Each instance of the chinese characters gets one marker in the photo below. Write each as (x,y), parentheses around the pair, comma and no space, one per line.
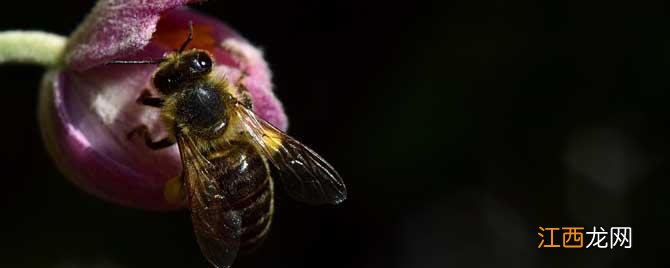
(573,237)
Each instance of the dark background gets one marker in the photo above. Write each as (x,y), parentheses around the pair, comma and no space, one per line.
(459,128)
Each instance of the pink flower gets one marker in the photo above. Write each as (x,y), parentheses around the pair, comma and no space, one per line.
(87,108)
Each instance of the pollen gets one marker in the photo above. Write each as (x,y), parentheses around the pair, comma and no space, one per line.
(272,140)
(174,191)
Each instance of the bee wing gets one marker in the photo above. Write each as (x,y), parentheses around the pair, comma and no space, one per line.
(305,175)
(216,227)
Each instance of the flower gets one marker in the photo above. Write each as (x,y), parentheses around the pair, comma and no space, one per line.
(87,108)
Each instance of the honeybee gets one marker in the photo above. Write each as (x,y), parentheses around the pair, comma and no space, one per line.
(226,151)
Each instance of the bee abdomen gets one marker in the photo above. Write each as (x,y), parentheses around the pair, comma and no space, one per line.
(256,218)
(246,183)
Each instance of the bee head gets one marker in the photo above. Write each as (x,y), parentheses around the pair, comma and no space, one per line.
(178,69)
(181,69)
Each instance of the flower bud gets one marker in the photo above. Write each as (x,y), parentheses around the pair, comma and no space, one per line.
(87,108)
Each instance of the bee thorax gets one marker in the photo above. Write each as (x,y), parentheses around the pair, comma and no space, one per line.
(202,110)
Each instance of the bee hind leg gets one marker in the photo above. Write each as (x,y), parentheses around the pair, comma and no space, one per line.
(143,131)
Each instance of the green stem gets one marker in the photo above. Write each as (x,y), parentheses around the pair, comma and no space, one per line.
(32,47)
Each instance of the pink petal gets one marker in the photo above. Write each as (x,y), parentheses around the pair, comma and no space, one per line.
(86,135)
(115,28)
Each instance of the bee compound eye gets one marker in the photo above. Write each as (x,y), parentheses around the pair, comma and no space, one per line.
(201,62)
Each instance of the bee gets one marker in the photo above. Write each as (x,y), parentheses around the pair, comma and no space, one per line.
(226,152)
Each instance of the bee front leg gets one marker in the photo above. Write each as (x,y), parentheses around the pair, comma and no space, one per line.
(143,131)
(148,99)
(243,62)
(244,94)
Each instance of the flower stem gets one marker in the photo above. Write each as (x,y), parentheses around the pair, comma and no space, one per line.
(32,47)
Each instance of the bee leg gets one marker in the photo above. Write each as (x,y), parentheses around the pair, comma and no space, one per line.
(244,94)
(146,98)
(154,145)
(243,62)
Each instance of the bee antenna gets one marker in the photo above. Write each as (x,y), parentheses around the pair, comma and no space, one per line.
(188,38)
(136,61)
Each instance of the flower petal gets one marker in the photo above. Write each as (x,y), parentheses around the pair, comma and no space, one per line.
(94,153)
(114,29)
(259,83)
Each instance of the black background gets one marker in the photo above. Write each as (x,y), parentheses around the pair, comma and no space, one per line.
(460,127)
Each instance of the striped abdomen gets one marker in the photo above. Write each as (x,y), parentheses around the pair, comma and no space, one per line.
(244,177)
